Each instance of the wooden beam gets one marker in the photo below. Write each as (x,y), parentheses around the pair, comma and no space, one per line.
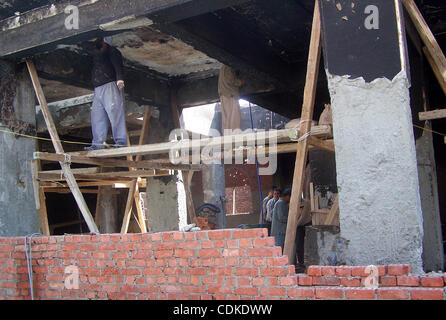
(435,69)
(322,144)
(47,184)
(88,191)
(71,181)
(76,171)
(333,216)
(39,197)
(432,49)
(43,28)
(285,135)
(44,176)
(42,200)
(187,180)
(305,127)
(114,163)
(133,195)
(432,115)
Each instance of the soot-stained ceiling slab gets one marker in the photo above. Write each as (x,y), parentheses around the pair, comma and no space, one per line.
(162,53)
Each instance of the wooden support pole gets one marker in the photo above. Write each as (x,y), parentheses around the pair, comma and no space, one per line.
(71,181)
(333,216)
(39,196)
(432,49)
(327,145)
(98,212)
(125,184)
(305,127)
(44,176)
(133,195)
(42,201)
(187,179)
(432,115)
(115,163)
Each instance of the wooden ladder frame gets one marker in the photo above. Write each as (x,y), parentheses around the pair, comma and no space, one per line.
(65,165)
(133,195)
(314,58)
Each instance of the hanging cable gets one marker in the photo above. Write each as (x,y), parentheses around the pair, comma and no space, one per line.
(257,168)
(29,263)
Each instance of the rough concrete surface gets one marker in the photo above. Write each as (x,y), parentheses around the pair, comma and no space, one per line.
(324,246)
(380,207)
(18,214)
(433,255)
(163,212)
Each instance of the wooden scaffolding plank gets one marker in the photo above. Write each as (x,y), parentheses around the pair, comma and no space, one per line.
(125,183)
(44,213)
(42,201)
(333,216)
(282,136)
(133,195)
(97,214)
(89,191)
(433,51)
(117,175)
(305,127)
(327,145)
(39,196)
(115,163)
(432,115)
(71,181)
(187,179)
(436,70)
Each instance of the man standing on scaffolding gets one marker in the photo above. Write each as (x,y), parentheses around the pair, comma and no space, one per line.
(228,90)
(108,101)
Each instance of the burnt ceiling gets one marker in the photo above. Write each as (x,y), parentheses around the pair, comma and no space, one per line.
(267,42)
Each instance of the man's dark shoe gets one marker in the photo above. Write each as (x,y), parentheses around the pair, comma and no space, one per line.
(93,147)
(119,146)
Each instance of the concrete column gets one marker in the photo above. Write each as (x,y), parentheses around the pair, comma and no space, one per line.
(380,208)
(18,214)
(166,204)
(433,255)
(214,190)
(213,176)
(108,215)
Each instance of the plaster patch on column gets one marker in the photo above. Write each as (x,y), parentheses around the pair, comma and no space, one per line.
(377,170)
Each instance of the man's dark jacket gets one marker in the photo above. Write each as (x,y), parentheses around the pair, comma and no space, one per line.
(107,66)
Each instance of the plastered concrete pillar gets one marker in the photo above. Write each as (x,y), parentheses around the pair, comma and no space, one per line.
(380,209)
(166,204)
(18,214)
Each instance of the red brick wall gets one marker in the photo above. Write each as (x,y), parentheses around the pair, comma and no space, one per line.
(220,264)
(243,200)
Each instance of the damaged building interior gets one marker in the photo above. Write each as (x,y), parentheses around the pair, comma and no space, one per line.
(352,101)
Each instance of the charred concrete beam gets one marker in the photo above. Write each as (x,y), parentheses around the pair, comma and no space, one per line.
(203,91)
(43,28)
(72,114)
(74,68)
(209,40)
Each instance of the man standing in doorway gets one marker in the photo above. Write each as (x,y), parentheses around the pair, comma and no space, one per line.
(280,218)
(264,205)
(271,203)
(228,90)
(108,101)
